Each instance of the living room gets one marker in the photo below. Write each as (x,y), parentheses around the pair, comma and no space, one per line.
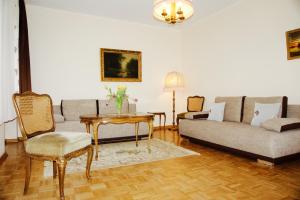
(227,48)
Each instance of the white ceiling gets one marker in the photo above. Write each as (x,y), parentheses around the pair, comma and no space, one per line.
(139,11)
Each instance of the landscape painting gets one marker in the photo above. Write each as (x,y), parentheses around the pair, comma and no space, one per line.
(121,65)
(293,44)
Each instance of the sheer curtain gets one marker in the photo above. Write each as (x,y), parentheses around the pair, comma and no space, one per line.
(9,17)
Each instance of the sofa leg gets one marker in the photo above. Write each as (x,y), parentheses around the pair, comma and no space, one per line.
(266,163)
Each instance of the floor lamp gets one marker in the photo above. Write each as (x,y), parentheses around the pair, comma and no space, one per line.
(173,81)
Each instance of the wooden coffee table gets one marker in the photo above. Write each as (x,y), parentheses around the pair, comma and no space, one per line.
(96,120)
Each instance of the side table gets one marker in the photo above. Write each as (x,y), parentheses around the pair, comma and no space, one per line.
(160,114)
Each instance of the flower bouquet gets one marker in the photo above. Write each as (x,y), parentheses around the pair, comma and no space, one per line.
(119,96)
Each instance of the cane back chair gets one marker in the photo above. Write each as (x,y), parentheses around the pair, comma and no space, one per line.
(194,104)
(35,119)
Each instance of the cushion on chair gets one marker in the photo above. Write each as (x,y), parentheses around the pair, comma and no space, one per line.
(57,143)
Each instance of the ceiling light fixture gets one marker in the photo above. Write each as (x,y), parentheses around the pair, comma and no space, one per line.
(173,11)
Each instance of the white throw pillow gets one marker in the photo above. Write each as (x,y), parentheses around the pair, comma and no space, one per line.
(216,112)
(264,112)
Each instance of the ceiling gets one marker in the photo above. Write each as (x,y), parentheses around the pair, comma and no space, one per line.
(139,11)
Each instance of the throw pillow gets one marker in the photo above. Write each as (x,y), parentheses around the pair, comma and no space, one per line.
(58,118)
(263,112)
(281,124)
(216,112)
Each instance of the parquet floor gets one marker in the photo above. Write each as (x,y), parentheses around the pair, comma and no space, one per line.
(213,175)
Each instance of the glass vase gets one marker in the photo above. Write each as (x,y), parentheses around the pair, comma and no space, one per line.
(119,104)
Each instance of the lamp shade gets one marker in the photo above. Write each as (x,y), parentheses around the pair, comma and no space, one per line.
(174,80)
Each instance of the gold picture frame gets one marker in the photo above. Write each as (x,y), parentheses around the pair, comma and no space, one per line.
(121,65)
(293,44)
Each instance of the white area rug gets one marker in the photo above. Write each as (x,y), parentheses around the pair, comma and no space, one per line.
(123,154)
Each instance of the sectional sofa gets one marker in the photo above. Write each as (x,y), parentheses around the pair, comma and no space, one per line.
(67,116)
(235,134)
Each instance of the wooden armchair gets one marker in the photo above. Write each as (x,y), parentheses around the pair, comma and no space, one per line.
(35,117)
(194,104)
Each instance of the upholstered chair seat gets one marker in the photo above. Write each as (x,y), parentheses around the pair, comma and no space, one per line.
(57,143)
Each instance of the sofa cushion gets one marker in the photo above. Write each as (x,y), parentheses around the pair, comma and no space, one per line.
(57,143)
(293,111)
(233,107)
(58,118)
(250,103)
(281,124)
(243,137)
(56,109)
(109,106)
(72,109)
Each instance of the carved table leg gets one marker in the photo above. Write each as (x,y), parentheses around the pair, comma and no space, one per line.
(61,176)
(136,133)
(95,133)
(150,127)
(89,161)
(28,173)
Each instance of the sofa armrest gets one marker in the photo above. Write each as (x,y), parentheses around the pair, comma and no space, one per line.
(196,115)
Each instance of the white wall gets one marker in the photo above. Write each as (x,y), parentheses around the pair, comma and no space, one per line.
(65,56)
(11,130)
(242,51)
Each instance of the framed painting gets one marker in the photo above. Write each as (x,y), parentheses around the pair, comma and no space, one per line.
(121,65)
(293,44)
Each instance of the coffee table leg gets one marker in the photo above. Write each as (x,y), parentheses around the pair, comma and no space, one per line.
(95,132)
(150,127)
(136,133)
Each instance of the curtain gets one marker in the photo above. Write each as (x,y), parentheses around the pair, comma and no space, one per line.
(24,56)
(9,13)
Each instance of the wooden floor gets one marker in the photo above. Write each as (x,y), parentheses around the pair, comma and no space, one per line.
(213,175)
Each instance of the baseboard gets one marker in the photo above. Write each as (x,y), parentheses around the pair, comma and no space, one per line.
(3,157)
(244,153)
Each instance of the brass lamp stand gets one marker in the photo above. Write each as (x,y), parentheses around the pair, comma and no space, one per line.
(173,81)
(173,122)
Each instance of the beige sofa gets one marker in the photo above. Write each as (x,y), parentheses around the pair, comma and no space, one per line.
(235,134)
(67,118)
